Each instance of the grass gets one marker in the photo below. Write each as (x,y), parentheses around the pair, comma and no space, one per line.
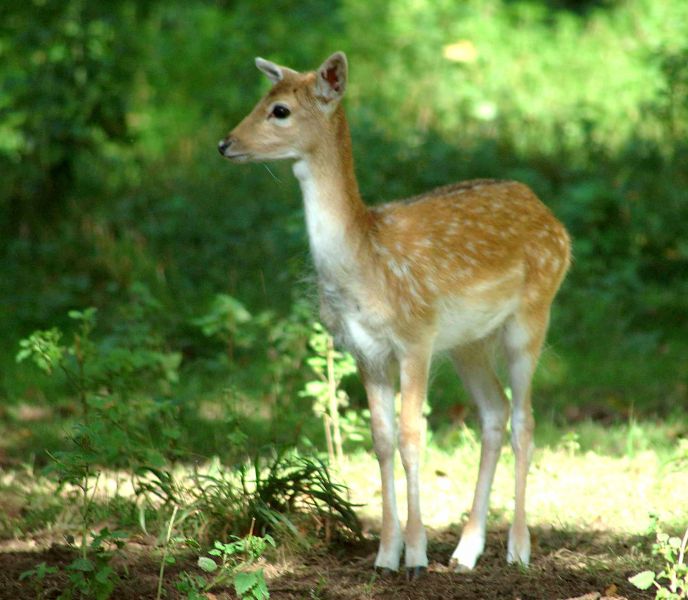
(594,494)
(569,487)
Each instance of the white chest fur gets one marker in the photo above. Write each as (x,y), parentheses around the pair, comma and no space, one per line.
(326,233)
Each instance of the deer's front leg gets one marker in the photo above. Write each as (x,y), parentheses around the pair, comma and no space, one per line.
(414,380)
(381,402)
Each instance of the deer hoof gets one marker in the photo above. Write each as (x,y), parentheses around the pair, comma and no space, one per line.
(413,573)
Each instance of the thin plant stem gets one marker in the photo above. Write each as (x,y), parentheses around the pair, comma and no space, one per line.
(334,405)
(163,562)
(85,516)
(327,422)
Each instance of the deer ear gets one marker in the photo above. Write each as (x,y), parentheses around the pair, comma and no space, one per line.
(274,72)
(330,78)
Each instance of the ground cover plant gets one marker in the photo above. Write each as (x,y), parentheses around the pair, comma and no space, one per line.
(173,396)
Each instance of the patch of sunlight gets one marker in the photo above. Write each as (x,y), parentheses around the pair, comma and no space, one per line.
(463,51)
(565,489)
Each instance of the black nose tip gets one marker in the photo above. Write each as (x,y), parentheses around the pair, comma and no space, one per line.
(222,146)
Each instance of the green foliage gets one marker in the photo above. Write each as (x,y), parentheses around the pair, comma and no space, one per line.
(67,71)
(118,422)
(116,108)
(270,494)
(236,564)
(43,347)
(112,196)
(671,583)
(289,483)
(37,577)
(342,365)
(330,367)
(112,433)
(91,575)
(224,319)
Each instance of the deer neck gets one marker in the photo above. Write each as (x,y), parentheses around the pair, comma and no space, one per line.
(336,218)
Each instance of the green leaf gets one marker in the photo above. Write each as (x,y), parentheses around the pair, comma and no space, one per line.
(207,564)
(260,592)
(244,581)
(643,580)
(82,564)
(104,574)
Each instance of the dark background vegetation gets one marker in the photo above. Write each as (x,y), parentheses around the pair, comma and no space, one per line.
(112,195)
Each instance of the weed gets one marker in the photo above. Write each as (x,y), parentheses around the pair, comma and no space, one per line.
(671,582)
(291,483)
(231,562)
(272,494)
(37,576)
(330,367)
(166,557)
(111,433)
(570,442)
(91,574)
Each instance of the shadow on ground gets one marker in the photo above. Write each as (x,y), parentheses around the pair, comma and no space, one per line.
(566,564)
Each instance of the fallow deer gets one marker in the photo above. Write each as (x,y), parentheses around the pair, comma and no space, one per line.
(460,269)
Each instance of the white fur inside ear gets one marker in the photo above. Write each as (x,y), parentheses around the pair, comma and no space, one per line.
(331,77)
(273,71)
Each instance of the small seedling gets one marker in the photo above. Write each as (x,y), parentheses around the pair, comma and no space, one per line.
(230,562)
(37,576)
(671,582)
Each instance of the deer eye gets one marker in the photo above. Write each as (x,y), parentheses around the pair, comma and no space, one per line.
(280,111)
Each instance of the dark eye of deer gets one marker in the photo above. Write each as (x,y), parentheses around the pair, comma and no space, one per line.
(280,112)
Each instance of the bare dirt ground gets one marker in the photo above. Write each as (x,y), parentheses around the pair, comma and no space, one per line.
(566,564)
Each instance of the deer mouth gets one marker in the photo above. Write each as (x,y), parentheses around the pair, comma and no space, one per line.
(238,157)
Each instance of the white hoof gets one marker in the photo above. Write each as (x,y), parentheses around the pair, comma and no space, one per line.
(518,549)
(389,555)
(415,554)
(468,551)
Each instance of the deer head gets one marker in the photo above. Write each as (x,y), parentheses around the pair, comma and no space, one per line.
(292,117)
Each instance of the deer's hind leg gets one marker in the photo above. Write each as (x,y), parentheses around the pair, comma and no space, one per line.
(524,334)
(474,365)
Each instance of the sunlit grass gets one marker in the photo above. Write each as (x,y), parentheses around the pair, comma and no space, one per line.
(588,478)
(568,487)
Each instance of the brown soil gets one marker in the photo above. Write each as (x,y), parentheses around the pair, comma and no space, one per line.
(565,565)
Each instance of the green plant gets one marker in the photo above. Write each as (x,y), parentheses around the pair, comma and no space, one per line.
(91,575)
(37,576)
(290,484)
(273,494)
(113,430)
(167,558)
(330,366)
(232,562)
(671,583)
(120,422)
(570,442)
(228,321)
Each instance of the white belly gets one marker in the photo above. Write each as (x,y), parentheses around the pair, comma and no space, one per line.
(460,322)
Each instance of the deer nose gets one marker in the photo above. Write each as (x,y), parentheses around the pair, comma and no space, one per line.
(223,145)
